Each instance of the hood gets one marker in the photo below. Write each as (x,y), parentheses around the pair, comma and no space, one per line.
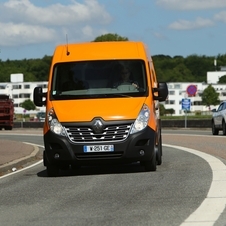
(107,109)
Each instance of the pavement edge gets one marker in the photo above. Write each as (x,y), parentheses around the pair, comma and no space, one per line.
(19,163)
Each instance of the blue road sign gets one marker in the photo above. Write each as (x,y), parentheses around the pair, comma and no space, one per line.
(186,104)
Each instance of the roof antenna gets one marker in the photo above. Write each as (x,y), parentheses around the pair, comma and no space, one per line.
(68,53)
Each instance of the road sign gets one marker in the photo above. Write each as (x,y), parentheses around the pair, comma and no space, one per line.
(191,90)
(186,104)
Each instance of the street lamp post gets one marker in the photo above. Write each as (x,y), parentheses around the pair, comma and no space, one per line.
(215,63)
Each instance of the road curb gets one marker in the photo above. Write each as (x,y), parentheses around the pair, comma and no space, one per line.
(19,163)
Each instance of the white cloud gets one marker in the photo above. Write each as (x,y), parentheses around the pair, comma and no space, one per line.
(87,31)
(159,35)
(191,4)
(21,34)
(191,25)
(33,24)
(56,14)
(221,16)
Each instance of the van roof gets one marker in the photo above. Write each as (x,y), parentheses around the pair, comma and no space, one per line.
(101,51)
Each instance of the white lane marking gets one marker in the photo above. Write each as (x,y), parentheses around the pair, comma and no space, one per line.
(21,134)
(214,204)
(28,167)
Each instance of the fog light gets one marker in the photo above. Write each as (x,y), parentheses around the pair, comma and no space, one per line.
(142,152)
(56,156)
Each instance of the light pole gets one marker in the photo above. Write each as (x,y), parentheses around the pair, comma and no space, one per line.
(215,63)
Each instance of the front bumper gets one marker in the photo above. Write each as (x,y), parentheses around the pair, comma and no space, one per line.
(60,150)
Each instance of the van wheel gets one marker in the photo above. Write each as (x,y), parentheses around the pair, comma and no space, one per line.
(159,152)
(52,170)
(150,165)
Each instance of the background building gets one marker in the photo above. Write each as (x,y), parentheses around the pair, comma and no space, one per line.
(214,76)
(178,91)
(21,91)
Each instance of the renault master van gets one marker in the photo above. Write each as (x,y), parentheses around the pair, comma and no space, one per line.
(102,106)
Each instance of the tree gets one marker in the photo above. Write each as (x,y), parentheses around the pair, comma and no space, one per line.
(222,80)
(210,96)
(162,109)
(199,65)
(110,37)
(28,105)
(170,111)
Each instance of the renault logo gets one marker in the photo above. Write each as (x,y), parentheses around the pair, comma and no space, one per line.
(98,126)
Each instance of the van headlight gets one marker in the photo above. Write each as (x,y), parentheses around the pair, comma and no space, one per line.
(142,120)
(54,125)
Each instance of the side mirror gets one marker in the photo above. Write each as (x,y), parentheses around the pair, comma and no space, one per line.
(162,91)
(38,96)
(214,110)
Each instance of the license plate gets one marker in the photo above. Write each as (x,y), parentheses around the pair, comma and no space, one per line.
(98,148)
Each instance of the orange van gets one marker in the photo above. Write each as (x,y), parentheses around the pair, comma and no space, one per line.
(101,106)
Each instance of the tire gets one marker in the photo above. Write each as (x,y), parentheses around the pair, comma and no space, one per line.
(8,128)
(150,165)
(52,170)
(224,128)
(214,130)
(159,152)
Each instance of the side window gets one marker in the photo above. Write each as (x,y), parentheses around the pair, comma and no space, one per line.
(224,108)
(220,108)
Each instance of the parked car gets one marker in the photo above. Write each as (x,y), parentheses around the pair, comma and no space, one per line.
(41,116)
(219,119)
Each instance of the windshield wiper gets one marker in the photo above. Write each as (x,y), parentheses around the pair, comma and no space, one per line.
(119,95)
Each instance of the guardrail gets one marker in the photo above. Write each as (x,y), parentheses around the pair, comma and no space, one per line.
(190,123)
(28,124)
(199,123)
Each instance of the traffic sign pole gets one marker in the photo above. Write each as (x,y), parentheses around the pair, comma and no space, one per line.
(186,104)
(185,120)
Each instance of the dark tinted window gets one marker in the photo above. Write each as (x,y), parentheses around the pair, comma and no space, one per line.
(106,78)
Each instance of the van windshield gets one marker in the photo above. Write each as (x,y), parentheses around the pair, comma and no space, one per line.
(99,79)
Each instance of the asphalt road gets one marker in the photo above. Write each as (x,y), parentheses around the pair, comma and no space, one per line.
(108,195)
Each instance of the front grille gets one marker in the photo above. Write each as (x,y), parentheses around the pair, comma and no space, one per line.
(86,133)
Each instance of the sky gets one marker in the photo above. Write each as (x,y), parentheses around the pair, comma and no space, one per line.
(33,28)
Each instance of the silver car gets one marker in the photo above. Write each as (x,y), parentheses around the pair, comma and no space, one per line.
(219,119)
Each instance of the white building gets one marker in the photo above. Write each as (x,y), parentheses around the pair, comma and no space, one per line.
(214,76)
(21,91)
(178,92)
